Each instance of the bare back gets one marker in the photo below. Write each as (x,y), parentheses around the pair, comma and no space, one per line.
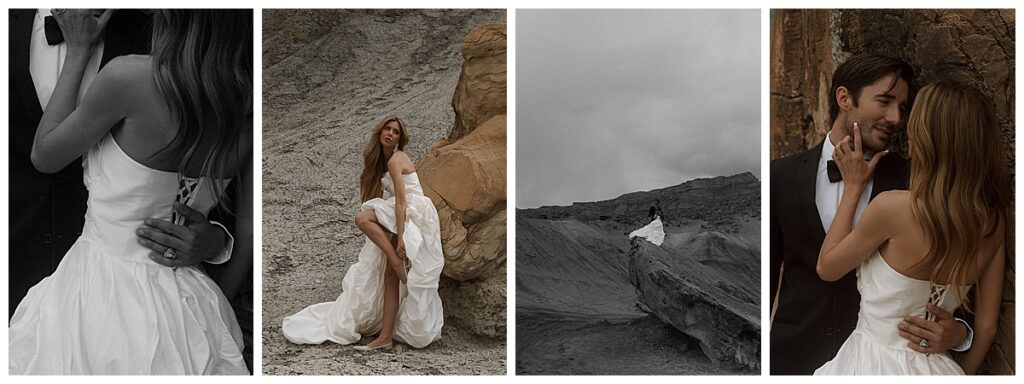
(908,245)
(148,126)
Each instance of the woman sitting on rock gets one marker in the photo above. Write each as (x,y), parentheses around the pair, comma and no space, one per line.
(402,250)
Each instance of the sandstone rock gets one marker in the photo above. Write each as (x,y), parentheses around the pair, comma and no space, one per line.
(480,93)
(466,181)
(478,305)
(465,177)
(700,301)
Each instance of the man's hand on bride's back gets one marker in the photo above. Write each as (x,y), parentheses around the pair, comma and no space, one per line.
(943,334)
(195,242)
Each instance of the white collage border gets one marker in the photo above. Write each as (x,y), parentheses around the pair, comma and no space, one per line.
(510,6)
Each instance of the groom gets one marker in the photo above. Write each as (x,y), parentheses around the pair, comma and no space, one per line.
(813,317)
(47,211)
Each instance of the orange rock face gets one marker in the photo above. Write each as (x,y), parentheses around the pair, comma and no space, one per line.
(465,176)
(466,181)
(480,93)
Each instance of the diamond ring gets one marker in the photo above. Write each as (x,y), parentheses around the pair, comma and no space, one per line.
(170,254)
(923,343)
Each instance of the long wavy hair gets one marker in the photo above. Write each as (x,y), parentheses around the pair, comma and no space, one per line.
(958,184)
(374,163)
(202,62)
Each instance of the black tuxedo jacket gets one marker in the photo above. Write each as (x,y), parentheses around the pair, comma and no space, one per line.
(47,211)
(813,317)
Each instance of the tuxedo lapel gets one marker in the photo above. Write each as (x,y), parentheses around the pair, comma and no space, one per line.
(127,33)
(21,79)
(891,173)
(805,186)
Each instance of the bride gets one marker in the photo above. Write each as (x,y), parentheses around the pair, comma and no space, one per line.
(925,247)
(653,231)
(391,290)
(158,130)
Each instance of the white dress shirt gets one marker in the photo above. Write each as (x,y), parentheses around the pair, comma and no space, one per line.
(827,194)
(46,61)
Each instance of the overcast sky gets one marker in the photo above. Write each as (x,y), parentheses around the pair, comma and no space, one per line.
(616,101)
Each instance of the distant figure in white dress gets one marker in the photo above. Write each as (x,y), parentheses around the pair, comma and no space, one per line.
(391,290)
(653,232)
(921,250)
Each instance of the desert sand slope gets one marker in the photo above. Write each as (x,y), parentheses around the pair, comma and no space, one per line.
(328,76)
(583,297)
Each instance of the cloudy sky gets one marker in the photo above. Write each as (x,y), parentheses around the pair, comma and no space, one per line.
(616,101)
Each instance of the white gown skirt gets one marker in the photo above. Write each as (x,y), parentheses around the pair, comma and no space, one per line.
(359,309)
(100,314)
(859,355)
(653,232)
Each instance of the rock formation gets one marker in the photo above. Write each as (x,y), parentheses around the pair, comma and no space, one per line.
(974,47)
(705,302)
(480,93)
(694,300)
(465,177)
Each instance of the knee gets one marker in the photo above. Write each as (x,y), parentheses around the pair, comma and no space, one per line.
(364,219)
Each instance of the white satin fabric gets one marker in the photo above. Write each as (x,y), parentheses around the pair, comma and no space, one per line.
(359,309)
(653,232)
(875,346)
(109,309)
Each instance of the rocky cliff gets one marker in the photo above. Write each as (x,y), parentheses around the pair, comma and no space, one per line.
(708,298)
(579,281)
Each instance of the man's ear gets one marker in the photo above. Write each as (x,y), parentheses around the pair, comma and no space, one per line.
(843,98)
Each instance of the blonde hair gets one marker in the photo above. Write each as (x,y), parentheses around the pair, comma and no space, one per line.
(202,61)
(374,163)
(958,181)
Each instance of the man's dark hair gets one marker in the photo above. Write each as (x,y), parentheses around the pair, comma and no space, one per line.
(864,69)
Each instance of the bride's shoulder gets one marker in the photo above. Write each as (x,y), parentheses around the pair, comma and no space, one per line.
(128,72)
(400,158)
(130,65)
(894,195)
(892,202)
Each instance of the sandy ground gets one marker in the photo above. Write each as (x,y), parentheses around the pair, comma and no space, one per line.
(328,77)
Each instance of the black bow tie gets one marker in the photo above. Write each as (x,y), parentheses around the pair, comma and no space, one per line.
(53,34)
(833,172)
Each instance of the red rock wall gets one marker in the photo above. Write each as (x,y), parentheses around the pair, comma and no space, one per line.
(974,47)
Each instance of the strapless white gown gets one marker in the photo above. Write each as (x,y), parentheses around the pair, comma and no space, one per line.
(359,308)
(108,308)
(653,232)
(875,346)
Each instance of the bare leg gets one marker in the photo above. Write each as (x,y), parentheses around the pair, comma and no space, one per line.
(367,222)
(387,330)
